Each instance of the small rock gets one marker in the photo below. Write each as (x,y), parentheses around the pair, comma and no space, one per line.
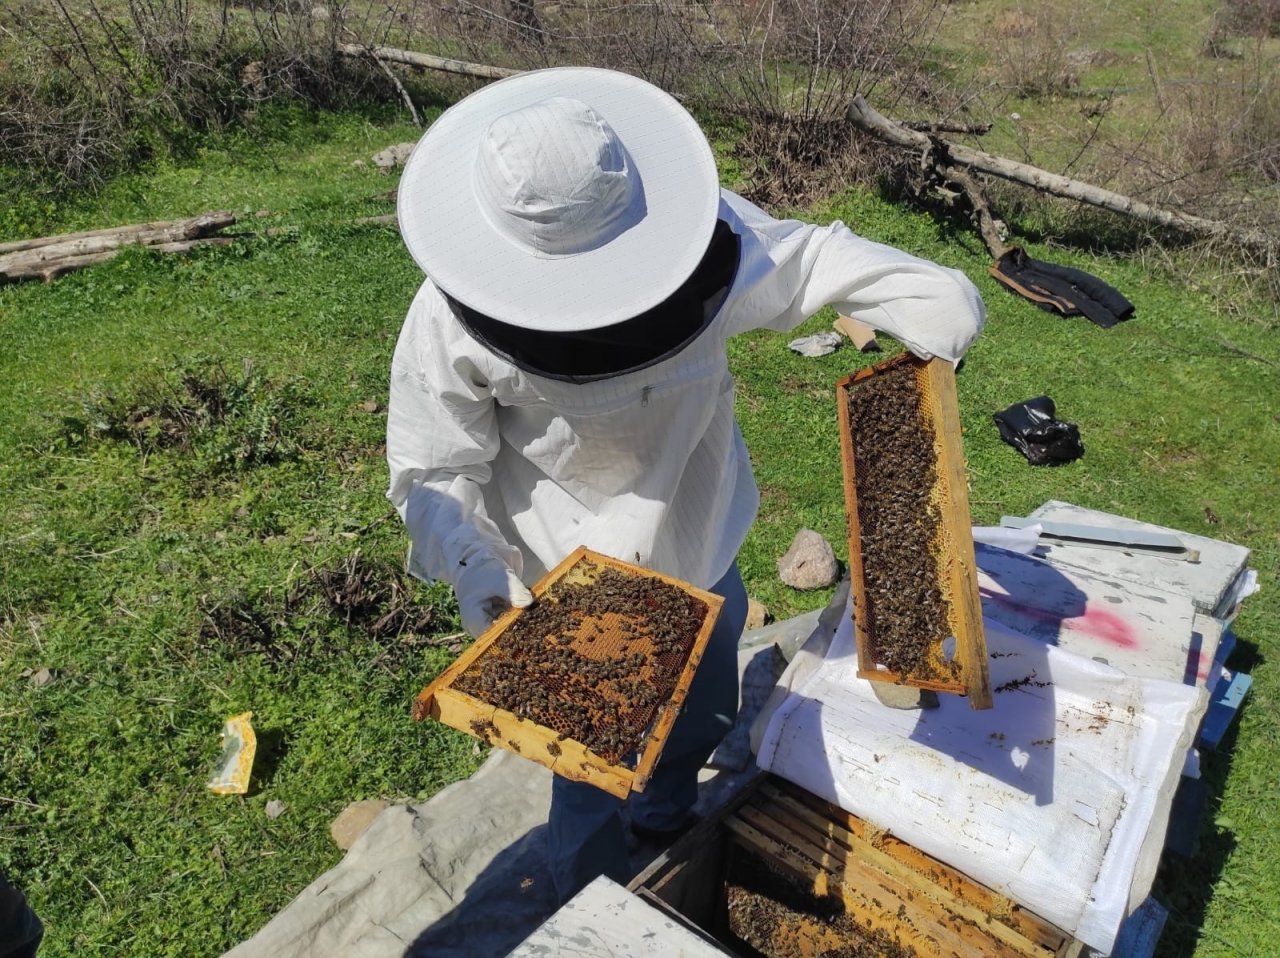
(275,808)
(393,156)
(819,344)
(41,677)
(354,820)
(809,563)
(757,614)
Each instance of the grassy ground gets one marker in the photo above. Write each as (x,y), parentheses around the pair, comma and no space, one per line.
(171,575)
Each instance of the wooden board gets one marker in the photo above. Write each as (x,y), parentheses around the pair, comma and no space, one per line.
(952,542)
(1208,582)
(605,919)
(1138,628)
(564,755)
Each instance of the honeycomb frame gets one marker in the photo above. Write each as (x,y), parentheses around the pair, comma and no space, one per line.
(951,542)
(562,753)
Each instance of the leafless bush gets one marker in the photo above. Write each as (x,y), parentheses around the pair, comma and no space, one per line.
(91,86)
(1255,18)
(1034,50)
(777,74)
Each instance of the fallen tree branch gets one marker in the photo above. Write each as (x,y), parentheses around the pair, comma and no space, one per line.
(372,54)
(988,224)
(945,126)
(48,257)
(50,268)
(427,61)
(862,115)
(95,240)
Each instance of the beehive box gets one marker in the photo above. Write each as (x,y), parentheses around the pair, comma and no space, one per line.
(782,874)
(911,558)
(589,679)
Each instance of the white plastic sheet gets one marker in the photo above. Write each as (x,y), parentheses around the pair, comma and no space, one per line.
(1058,797)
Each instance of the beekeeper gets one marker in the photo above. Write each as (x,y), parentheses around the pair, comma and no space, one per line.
(561,378)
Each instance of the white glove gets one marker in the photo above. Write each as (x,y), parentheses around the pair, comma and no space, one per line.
(486,587)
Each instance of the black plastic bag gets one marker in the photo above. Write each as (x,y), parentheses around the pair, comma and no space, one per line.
(1030,427)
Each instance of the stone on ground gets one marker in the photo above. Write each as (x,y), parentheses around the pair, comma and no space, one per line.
(354,819)
(810,563)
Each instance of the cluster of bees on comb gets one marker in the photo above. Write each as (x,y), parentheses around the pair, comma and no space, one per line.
(895,470)
(592,660)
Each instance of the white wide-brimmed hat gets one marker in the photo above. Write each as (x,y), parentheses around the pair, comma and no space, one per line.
(560,200)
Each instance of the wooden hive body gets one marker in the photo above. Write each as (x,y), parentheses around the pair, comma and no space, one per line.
(787,874)
(950,536)
(597,638)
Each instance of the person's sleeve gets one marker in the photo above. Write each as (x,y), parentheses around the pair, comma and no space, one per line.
(932,310)
(442,437)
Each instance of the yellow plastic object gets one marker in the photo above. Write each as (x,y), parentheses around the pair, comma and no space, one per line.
(238,747)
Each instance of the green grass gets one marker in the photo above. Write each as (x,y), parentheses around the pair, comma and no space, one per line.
(114,552)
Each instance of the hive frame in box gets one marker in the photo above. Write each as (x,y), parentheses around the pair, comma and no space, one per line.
(884,884)
(935,379)
(568,757)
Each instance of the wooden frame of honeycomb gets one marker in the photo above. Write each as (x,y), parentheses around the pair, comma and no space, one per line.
(602,644)
(952,583)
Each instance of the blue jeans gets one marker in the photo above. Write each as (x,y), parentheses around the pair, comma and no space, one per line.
(586,835)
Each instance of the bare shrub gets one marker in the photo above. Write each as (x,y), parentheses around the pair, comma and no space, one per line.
(1033,53)
(90,86)
(776,74)
(1255,18)
(226,420)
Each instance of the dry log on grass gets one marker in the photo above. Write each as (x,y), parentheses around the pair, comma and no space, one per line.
(48,257)
(90,241)
(51,269)
(426,61)
(861,114)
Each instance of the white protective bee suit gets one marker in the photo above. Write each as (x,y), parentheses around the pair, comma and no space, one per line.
(500,471)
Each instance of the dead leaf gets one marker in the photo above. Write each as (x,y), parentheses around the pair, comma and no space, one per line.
(370,405)
(275,808)
(41,677)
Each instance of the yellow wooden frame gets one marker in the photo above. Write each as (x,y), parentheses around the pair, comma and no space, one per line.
(571,759)
(958,581)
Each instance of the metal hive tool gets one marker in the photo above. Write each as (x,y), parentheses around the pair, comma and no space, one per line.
(589,679)
(922,561)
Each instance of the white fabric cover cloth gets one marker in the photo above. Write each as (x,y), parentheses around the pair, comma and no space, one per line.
(1058,797)
(486,459)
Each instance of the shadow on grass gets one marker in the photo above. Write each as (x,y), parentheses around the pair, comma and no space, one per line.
(272,746)
(1186,885)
